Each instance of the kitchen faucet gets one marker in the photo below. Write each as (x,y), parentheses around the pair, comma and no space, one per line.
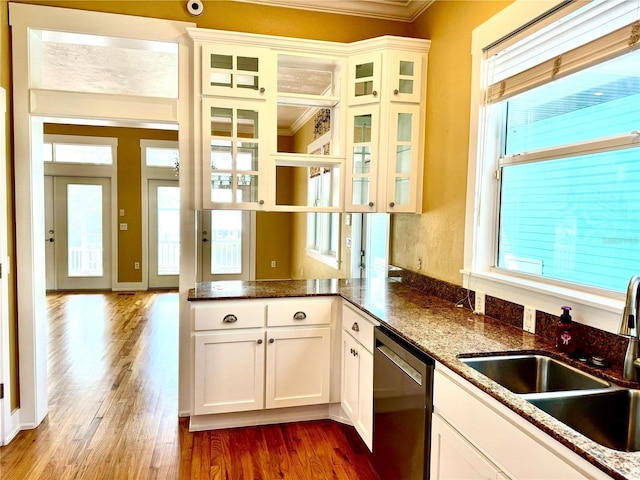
(629,327)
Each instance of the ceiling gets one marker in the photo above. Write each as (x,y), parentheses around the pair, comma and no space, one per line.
(398,10)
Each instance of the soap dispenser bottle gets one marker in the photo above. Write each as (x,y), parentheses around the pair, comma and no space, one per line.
(565,341)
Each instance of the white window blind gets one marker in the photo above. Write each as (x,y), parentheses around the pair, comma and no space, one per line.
(600,30)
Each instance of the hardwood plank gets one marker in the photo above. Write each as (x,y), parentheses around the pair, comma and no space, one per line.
(113,409)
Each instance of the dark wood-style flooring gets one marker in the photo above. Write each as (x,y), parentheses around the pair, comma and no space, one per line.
(113,408)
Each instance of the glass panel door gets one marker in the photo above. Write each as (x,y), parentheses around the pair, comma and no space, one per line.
(406,76)
(365,78)
(164,233)
(82,210)
(225,246)
(362,159)
(403,158)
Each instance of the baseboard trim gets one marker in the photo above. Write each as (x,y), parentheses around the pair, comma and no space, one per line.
(129,287)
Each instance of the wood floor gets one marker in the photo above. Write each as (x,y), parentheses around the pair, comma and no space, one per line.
(113,409)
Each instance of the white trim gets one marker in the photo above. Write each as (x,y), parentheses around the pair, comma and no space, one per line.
(24,18)
(129,287)
(151,173)
(599,310)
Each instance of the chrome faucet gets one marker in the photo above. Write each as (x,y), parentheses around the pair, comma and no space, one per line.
(629,328)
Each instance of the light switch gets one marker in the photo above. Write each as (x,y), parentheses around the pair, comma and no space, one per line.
(122,212)
(124,226)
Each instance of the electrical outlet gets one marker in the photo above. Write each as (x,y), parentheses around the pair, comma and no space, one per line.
(419,263)
(273,264)
(480,300)
(136,265)
(529,320)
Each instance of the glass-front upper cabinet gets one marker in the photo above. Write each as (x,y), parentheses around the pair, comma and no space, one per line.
(230,70)
(362,159)
(406,72)
(235,144)
(404,167)
(365,75)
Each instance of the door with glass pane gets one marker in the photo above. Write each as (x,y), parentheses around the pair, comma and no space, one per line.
(82,211)
(405,69)
(225,245)
(365,75)
(404,158)
(164,233)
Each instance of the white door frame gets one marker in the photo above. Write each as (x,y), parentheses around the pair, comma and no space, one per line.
(25,20)
(165,281)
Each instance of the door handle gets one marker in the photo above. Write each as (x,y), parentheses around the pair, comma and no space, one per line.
(50,240)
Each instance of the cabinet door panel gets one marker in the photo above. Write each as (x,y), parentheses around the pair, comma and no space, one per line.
(453,458)
(236,146)
(350,377)
(406,72)
(234,71)
(298,367)
(404,172)
(365,75)
(228,372)
(364,422)
(362,158)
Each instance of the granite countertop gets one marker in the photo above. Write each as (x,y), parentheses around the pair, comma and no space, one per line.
(444,331)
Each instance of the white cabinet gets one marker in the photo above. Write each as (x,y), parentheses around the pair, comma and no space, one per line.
(236,71)
(250,355)
(486,436)
(385,131)
(454,458)
(229,371)
(357,372)
(297,368)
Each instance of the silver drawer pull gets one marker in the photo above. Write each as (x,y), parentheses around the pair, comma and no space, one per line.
(299,316)
(355,327)
(230,318)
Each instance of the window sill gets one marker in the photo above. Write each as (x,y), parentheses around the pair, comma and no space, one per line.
(596,310)
(329,260)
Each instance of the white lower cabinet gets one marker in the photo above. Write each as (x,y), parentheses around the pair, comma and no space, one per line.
(357,372)
(229,371)
(251,355)
(454,458)
(472,432)
(297,368)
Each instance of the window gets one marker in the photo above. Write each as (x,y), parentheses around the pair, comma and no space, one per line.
(557,160)
(323,228)
(87,150)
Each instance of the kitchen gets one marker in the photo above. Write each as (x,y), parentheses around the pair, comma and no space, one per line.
(444,201)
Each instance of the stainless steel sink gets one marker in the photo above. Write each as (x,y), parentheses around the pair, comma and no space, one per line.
(609,418)
(524,374)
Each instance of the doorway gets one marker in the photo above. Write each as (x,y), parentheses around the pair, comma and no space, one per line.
(77,233)
(225,248)
(164,233)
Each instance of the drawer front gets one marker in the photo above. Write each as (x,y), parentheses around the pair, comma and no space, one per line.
(301,311)
(358,326)
(223,315)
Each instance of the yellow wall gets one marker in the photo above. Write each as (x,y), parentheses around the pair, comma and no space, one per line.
(437,236)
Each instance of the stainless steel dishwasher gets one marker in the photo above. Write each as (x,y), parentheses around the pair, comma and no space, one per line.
(402,406)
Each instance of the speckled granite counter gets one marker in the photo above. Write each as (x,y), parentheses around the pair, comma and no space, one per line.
(444,331)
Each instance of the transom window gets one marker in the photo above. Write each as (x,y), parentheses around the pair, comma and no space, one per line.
(84,150)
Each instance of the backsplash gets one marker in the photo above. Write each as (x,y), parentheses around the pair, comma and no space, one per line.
(594,341)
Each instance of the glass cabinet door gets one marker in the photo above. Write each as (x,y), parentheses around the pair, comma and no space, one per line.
(234,143)
(362,159)
(237,72)
(365,78)
(405,69)
(403,155)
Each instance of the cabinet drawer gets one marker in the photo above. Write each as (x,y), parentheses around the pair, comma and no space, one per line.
(299,312)
(358,326)
(223,315)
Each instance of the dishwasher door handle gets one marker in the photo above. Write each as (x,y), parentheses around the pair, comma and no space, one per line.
(411,372)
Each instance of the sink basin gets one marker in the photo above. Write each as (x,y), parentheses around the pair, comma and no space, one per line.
(610,418)
(524,374)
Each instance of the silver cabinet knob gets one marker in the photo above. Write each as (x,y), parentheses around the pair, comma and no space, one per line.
(259,341)
(271,340)
(262,90)
(261,202)
(371,204)
(396,92)
(374,93)
(392,204)
(355,327)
